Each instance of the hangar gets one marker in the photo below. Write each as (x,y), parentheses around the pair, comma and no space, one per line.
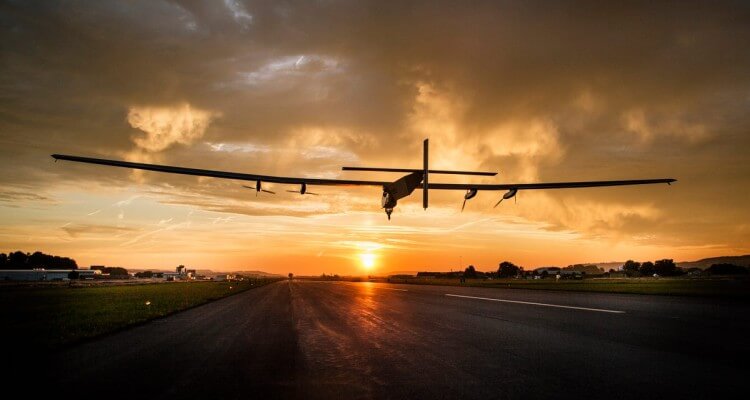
(41,274)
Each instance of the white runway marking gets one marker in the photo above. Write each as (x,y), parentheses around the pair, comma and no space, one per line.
(538,304)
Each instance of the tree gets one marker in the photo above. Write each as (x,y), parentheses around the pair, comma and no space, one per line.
(666,267)
(470,272)
(631,267)
(144,274)
(39,260)
(727,269)
(507,269)
(17,260)
(3,261)
(647,268)
(21,260)
(291,276)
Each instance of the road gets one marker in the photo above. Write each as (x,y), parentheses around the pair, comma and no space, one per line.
(306,339)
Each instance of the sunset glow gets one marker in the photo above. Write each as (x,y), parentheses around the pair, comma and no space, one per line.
(368,261)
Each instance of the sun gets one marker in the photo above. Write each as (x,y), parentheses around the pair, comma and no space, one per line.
(368,260)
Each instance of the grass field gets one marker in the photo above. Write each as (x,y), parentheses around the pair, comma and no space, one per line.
(728,287)
(51,317)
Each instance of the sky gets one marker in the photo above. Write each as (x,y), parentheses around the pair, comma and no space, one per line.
(536,91)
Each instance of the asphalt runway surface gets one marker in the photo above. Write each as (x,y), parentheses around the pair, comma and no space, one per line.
(325,340)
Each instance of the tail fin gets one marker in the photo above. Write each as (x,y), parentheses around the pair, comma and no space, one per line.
(425,180)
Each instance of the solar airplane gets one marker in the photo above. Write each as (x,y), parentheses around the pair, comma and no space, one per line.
(392,191)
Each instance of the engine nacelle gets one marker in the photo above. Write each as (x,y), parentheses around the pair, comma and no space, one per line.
(511,193)
(470,194)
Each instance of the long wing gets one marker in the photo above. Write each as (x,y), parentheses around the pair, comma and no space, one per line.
(344,182)
(548,185)
(216,174)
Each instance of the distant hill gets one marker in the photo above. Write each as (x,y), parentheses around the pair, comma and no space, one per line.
(398,273)
(702,264)
(587,268)
(606,266)
(148,269)
(707,262)
(209,272)
(255,273)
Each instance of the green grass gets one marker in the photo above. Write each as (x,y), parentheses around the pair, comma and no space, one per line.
(51,317)
(729,287)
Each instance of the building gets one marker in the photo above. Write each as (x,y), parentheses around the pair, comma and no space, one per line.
(547,271)
(181,273)
(171,276)
(41,274)
(568,274)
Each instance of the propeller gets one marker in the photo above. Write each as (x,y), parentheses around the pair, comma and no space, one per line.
(258,188)
(509,194)
(302,190)
(468,196)
(297,191)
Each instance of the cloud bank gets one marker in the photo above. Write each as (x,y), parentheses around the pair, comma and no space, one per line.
(537,91)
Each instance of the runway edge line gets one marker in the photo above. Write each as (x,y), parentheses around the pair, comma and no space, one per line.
(537,304)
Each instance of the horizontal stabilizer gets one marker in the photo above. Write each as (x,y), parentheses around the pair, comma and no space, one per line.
(408,170)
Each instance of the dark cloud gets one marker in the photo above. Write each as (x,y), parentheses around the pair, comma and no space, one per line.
(78,230)
(614,91)
(14,197)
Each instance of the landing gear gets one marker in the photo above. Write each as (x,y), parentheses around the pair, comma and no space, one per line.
(388,212)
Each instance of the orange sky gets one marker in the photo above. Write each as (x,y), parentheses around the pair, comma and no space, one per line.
(538,93)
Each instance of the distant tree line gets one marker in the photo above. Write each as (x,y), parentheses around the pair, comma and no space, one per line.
(149,274)
(21,260)
(664,267)
(727,269)
(506,269)
(333,277)
(667,267)
(440,275)
(144,274)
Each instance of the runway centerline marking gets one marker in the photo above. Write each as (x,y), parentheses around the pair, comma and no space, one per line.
(538,304)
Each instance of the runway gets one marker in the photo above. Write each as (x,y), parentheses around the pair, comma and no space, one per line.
(305,339)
